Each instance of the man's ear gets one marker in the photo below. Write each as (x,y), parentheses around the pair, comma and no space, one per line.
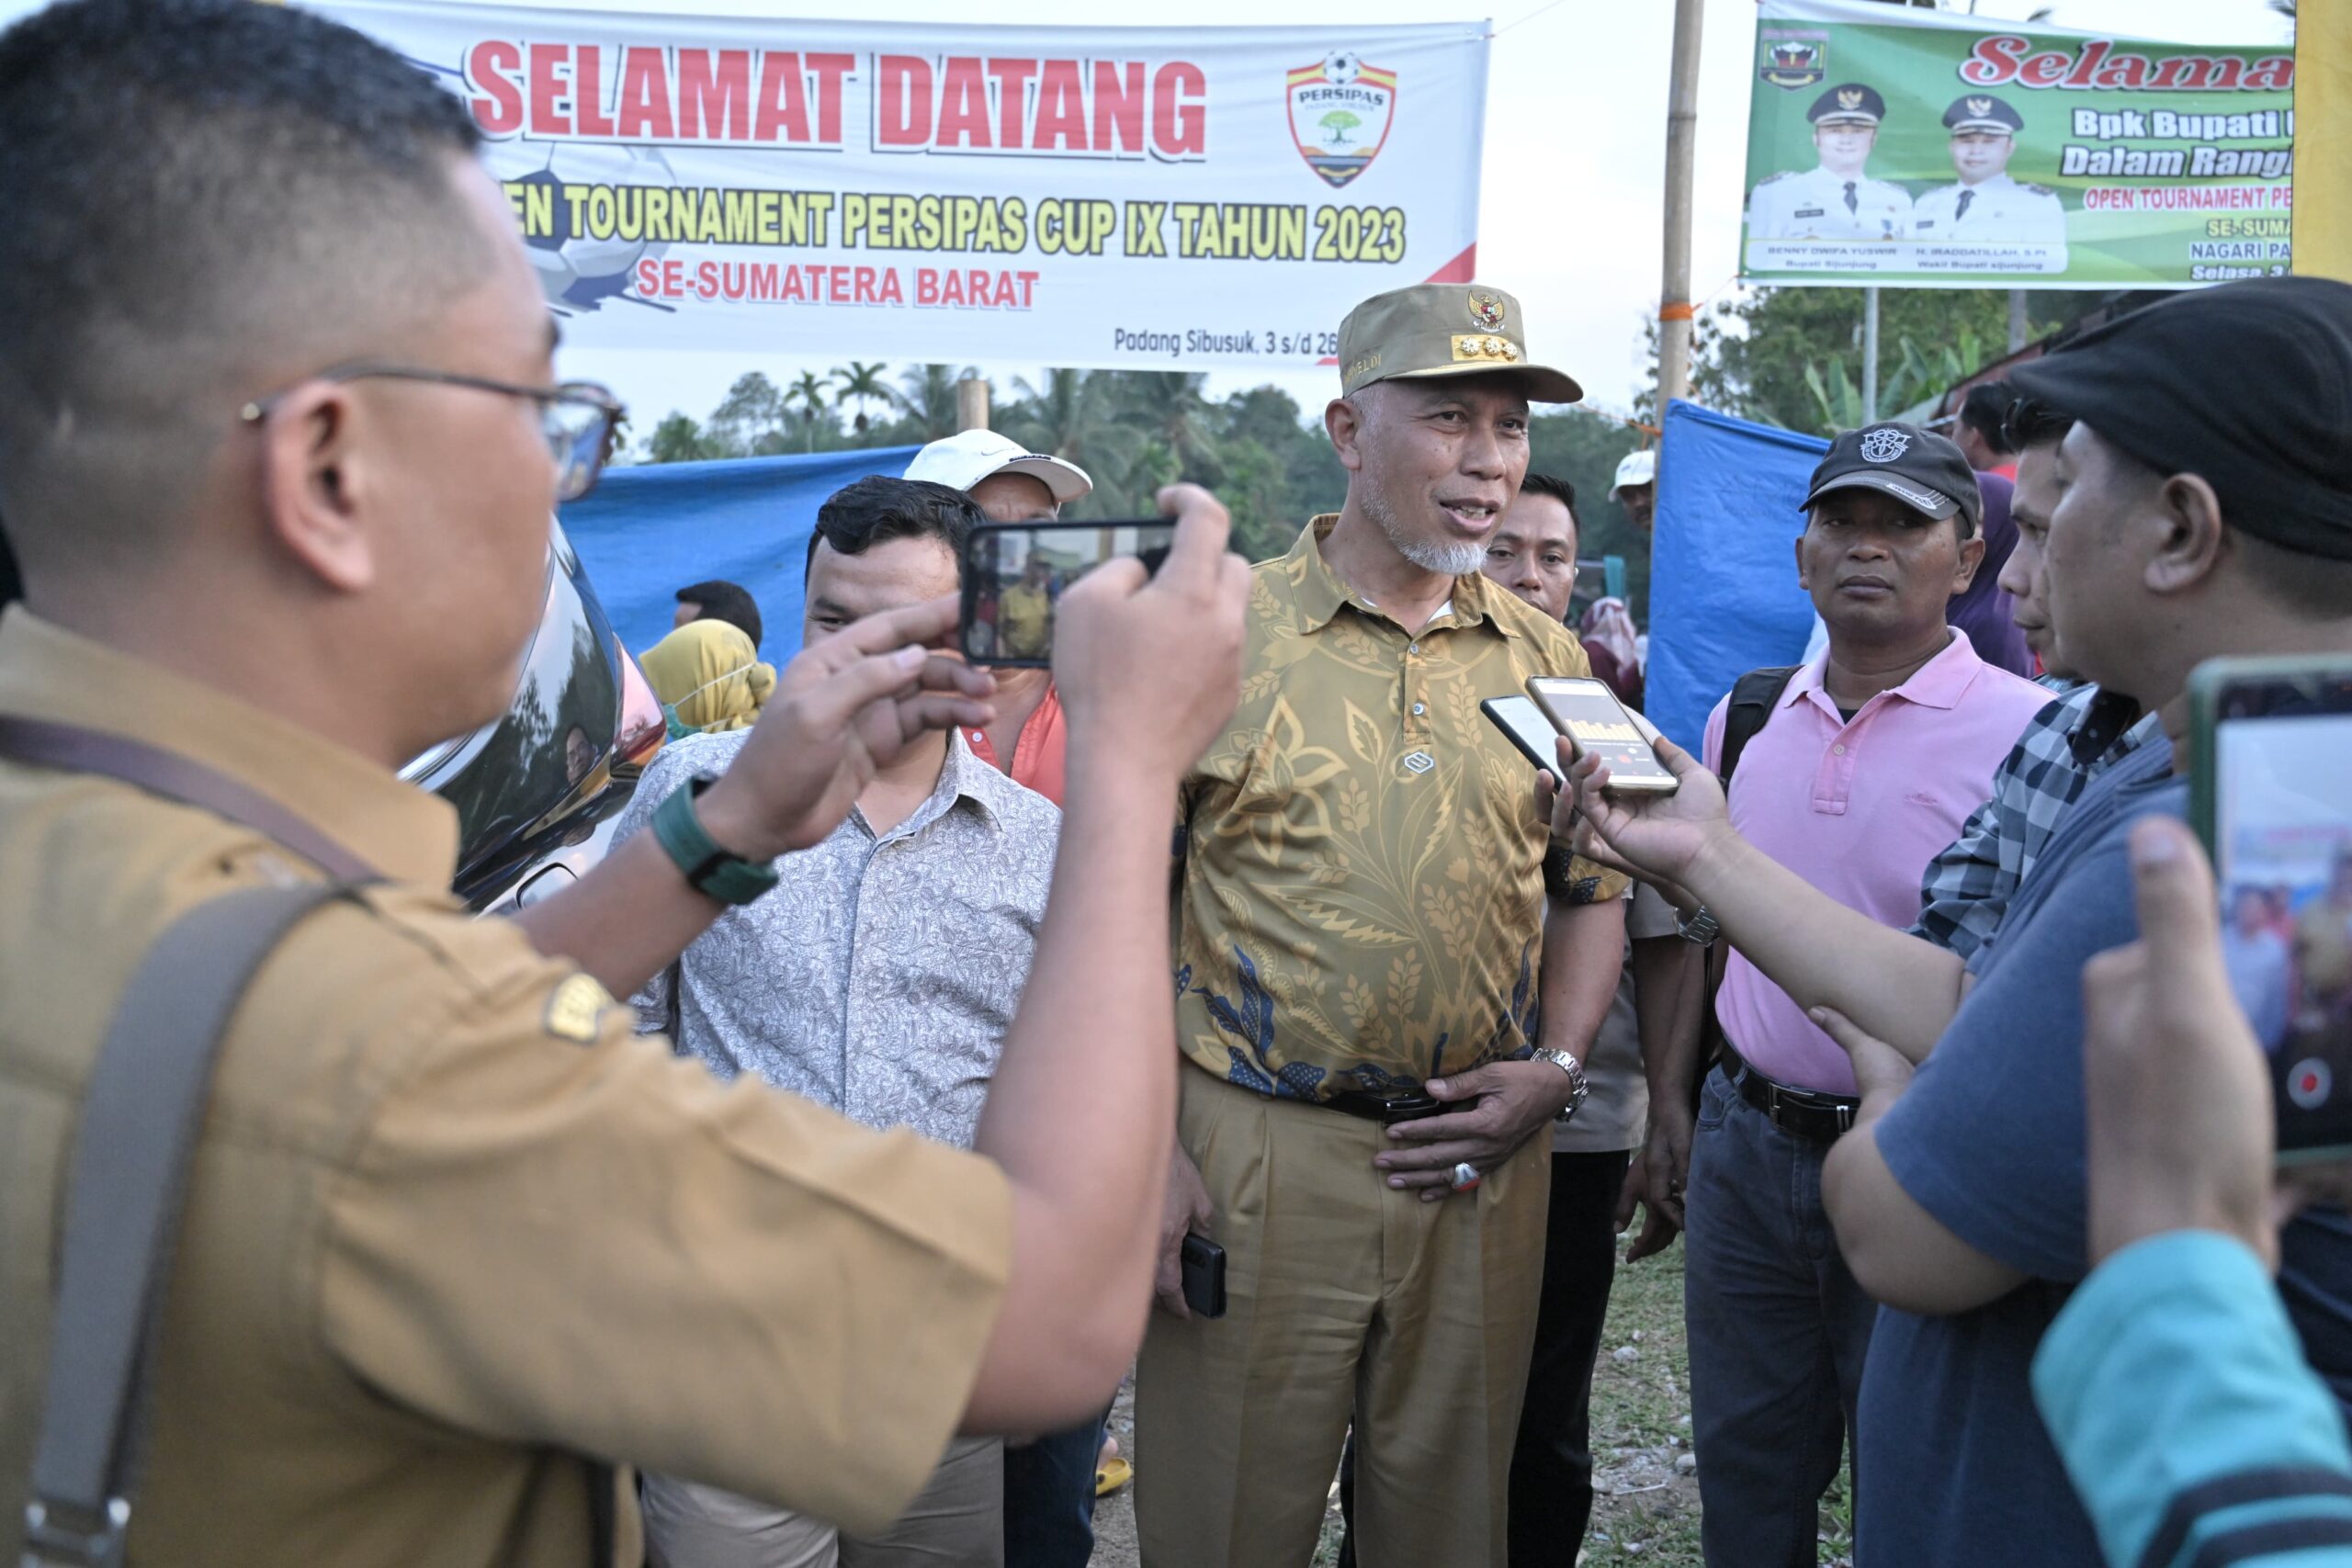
(1803,580)
(2193,539)
(1344,422)
(317,481)
(1972,556)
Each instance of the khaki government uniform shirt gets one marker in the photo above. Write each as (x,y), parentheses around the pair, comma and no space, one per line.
(1363,888)
(451,1224)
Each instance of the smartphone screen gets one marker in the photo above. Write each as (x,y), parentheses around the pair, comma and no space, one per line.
(1014,573)
(1526,727)
(2277,818)
(1592,719)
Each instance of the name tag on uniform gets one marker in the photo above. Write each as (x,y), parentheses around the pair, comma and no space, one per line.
(1811,212)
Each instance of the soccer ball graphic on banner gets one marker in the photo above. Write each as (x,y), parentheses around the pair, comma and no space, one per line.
(1339,69)
(578,270)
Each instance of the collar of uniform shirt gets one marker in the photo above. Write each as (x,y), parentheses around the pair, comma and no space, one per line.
(1320,595)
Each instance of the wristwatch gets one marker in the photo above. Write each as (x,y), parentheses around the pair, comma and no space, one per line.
(713,872)
(1702,927)
(1577,1085)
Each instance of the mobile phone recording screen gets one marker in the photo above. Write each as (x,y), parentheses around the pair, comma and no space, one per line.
(1523,724)
(1597,724)
(1014,573)
(2273,801)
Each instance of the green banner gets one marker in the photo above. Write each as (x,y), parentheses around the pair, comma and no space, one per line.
(1926,148)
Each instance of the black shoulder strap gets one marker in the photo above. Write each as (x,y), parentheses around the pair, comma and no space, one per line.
(1753,697)
(123,1198)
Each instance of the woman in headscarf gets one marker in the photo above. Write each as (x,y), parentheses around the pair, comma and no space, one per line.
(708,677)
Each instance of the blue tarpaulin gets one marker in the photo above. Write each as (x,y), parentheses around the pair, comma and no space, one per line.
(644,532)
(1723,593)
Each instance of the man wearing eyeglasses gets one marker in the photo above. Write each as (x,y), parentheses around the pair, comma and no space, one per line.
(278,449)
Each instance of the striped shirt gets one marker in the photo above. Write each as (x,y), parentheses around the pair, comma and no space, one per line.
(1967,888)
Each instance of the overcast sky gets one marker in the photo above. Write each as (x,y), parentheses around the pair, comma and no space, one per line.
(1571,202)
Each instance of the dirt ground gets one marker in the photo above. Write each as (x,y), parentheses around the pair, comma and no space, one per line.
(1645,1510)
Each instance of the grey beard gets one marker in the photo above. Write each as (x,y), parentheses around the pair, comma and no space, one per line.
(1446,561)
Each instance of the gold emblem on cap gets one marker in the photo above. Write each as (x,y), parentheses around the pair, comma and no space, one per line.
(1850,97)
(1485,310)
(1980,106)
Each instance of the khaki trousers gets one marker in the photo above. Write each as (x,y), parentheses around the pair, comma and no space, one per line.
(1345,1299)
(957,1521)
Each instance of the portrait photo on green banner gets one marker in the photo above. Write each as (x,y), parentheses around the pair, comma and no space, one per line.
(1948,151)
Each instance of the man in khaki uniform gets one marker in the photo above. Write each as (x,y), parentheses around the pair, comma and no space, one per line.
(1362,950)
(275,442)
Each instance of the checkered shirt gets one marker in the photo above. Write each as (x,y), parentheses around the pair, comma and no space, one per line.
(1967,888)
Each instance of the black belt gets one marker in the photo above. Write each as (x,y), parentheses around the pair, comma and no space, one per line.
(1809,1113)
(1388,1112)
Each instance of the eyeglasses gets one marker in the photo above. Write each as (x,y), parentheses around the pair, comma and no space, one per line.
(578,418)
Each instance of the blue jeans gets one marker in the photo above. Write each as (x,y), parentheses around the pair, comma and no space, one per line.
(1049,1498)
(1776,1330)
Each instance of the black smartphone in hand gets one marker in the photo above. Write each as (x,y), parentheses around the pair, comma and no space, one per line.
(1014,574)
(1203,1263)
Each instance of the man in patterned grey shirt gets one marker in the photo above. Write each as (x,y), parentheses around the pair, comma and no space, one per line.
(1966,889)
(878,978)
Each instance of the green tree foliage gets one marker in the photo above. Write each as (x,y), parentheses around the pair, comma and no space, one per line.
(1793,357)
(862,385)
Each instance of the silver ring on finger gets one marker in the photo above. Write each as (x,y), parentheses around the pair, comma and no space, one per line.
(1466,1177)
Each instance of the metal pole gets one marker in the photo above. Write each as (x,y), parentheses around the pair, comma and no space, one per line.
(1870,354)
(2017,329)
(972,403)
(1674,309)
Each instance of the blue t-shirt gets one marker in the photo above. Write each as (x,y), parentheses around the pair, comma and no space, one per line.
(1953,1463)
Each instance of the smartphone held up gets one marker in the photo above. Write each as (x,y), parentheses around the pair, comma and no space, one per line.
(2271,797)
(1014,574)
(1598,725)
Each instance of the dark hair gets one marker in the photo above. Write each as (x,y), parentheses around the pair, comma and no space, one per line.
(1985,409)
(2029,423)
(719,600)
(874,510)
(199,192)
(1558,489)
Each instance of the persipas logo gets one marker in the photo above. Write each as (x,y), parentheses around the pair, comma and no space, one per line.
(1340,112)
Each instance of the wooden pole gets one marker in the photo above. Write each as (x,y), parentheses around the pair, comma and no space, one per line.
(972,403)
(1674,312)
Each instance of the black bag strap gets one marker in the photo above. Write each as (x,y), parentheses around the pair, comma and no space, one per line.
(124,1195)
(1753,697)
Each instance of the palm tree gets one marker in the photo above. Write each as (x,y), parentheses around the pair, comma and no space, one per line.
(928,394)
(808,394)
(1172,410)
(863,384)
(1075,415)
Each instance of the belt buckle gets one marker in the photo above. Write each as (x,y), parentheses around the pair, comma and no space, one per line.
(89,1541)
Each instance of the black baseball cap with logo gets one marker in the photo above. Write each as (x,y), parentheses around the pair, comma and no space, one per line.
(1923,470)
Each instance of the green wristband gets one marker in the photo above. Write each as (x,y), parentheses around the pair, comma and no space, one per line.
(709,870)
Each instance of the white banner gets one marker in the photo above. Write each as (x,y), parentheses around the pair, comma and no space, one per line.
(1135,197)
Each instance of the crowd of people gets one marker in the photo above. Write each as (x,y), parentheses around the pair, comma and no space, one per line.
(797,1188)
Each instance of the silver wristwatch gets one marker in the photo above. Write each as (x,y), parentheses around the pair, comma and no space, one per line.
(1577,1085)
(1702,927)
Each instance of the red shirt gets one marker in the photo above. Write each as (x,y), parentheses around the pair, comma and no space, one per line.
(1037,755)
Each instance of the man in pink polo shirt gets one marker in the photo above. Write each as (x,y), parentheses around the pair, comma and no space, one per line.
(1866,764)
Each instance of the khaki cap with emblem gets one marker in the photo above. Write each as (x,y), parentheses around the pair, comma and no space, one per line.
(1443,329)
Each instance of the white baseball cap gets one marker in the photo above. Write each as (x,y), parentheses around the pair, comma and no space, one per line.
(1633,469)
(964,459)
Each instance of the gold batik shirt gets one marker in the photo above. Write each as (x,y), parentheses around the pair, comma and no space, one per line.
(1361,885)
